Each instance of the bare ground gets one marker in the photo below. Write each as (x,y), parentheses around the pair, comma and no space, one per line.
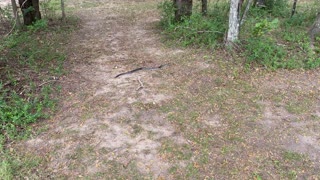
(200,117)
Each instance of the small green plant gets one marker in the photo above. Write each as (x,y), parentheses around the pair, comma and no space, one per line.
(265,26)
(38,25)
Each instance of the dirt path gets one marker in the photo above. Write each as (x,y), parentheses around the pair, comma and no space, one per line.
(200,117)
(102,126)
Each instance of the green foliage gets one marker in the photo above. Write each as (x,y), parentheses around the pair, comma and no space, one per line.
(265,26)
(282,42)
(37,54)
(195,30)
(17,112)
(167,14)
(24,101)
(265,52)
(278,7)
(41,24)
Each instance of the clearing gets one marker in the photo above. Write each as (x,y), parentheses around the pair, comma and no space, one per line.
(202,116)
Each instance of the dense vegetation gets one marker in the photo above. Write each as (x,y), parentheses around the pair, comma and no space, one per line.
(269,36)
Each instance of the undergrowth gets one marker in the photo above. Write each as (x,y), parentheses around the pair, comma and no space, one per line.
(197,30)
(269,37)
(31,61)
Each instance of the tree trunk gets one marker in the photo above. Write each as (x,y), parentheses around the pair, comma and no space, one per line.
(244,15)
(35,4)
(294,7)
(204,7)
(183,8)
(233,31)
(15,13)
(30,11)
(63,12)
(315,29)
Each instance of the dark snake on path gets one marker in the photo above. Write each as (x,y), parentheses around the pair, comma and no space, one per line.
(140,69)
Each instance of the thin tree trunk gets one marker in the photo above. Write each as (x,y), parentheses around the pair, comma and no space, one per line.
(294,7)
(16,13)
(315,29)
(204,7)
(63,11)
(233,31)
(244,15)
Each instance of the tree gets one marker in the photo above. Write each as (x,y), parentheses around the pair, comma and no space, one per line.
(30,11)
(244,15)
(15,13)
(294,6)
(233,30)
(63,11)
(204,7)
(183,8)
(314,30)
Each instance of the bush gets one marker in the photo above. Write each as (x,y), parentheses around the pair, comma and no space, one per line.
(264,51)
(196,29)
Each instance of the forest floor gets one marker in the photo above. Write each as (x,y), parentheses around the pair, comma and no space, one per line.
(203,116)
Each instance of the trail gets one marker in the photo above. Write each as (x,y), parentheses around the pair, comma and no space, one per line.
(104,124)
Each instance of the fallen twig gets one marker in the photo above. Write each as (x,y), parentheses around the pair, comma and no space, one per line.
(141,84)
(47,82)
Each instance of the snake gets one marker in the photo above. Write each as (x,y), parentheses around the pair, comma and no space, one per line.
(140,69)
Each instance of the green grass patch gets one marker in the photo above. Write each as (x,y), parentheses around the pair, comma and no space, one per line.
(31,61)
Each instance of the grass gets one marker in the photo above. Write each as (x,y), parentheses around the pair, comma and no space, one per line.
(269,38)
(226,148)
(31,62)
